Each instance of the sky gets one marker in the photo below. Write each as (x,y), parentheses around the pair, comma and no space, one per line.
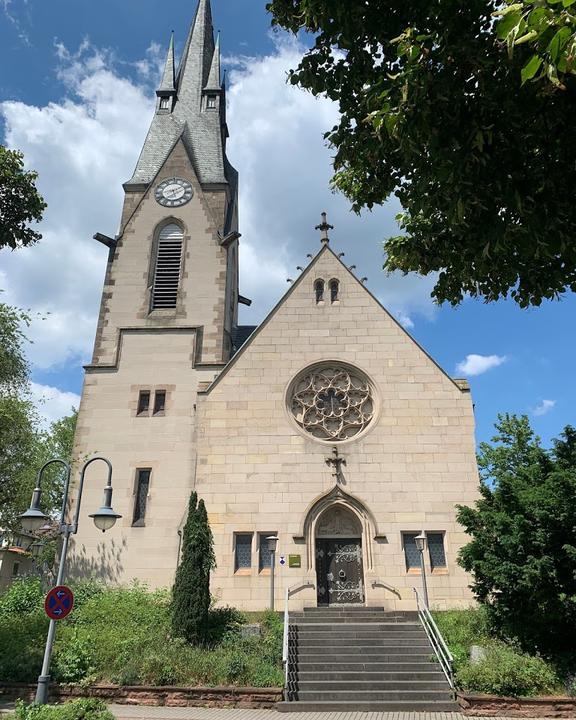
(77,81)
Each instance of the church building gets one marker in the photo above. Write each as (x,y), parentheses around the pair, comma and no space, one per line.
(327,426)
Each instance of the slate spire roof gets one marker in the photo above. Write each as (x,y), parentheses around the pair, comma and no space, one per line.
(202,128)
(168,83)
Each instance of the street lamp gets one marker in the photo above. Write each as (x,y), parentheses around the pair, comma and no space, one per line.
(420,541)
(272,541)
(34,519)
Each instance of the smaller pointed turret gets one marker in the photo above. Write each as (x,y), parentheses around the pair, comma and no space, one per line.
(214,83)
(167,91)
(168,84)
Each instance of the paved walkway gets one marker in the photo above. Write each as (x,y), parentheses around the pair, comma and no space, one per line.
(130,712)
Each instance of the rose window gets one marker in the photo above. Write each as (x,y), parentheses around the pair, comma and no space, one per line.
(332,402)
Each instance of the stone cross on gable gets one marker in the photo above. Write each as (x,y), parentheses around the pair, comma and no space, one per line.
(324,227)
(336,462)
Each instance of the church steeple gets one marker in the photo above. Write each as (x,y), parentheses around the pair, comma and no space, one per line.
(198,51)
(195,111)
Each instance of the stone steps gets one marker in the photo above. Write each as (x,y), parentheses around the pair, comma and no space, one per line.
(356,658)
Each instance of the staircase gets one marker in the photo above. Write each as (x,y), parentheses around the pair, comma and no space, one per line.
(358,658)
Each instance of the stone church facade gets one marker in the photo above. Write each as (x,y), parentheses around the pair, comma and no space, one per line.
(327,426)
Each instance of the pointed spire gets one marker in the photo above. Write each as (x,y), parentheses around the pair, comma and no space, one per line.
(214,75)
(198,51)
(168,78)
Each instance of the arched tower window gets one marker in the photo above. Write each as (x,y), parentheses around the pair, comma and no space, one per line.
(319,290)
(334,290)
(167,267)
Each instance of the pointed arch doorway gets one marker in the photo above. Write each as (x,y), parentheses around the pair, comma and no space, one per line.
(339,558)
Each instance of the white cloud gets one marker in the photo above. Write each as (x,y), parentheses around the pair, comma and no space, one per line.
(53,403)
(478,364)
(86,144)
(83,148)
(544,407)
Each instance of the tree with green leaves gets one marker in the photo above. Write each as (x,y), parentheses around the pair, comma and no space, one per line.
(20,201)
(522,555)
(442,105)
(191,591)
(24,444)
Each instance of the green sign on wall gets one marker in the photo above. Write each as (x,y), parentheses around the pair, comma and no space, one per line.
(294,561)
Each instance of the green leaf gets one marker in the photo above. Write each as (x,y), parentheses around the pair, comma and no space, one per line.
(558,42)
(568,3)
(531,68)
(526,38)
(508,23)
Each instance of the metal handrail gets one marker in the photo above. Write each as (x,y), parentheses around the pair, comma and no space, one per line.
(437,641)
(286,637)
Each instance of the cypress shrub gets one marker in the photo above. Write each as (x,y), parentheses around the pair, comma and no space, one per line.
(191,591)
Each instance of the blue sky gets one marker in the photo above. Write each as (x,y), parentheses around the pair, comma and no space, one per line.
(76,92)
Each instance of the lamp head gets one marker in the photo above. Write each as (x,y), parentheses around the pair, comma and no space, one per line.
(105,518)
(33,519)
(420,541)
(272,541)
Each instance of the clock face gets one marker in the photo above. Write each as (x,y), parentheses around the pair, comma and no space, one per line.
(174,192)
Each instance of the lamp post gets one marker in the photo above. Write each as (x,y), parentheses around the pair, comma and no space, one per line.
(272,541)
(420,541)
(34,519)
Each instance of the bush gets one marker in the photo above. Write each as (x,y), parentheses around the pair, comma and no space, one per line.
(23,596)
(22,640)
(506,671)
(82,709)
(124,636)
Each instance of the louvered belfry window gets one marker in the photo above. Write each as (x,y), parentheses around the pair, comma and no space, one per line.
(167,271)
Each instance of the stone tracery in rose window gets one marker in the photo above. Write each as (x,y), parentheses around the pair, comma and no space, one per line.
(332,402)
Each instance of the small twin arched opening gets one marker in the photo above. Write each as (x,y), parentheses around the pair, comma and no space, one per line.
(333,289)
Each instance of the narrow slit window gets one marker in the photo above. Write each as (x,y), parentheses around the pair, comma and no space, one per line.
(243,552)
(143,402)
(168,266)
(411,552)
(141,496)
(436,550)
(334,290)
(319,290)
(159,402)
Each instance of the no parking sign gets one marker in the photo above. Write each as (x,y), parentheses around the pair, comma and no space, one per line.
(59,602)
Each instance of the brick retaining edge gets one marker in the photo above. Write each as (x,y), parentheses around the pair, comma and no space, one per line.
(239,697)
(537,707)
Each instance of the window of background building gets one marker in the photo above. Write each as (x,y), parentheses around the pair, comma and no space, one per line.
(15,569)
(143,402)
(411,552)
(141,496)
(159,402)
(243,551)
(436,550)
